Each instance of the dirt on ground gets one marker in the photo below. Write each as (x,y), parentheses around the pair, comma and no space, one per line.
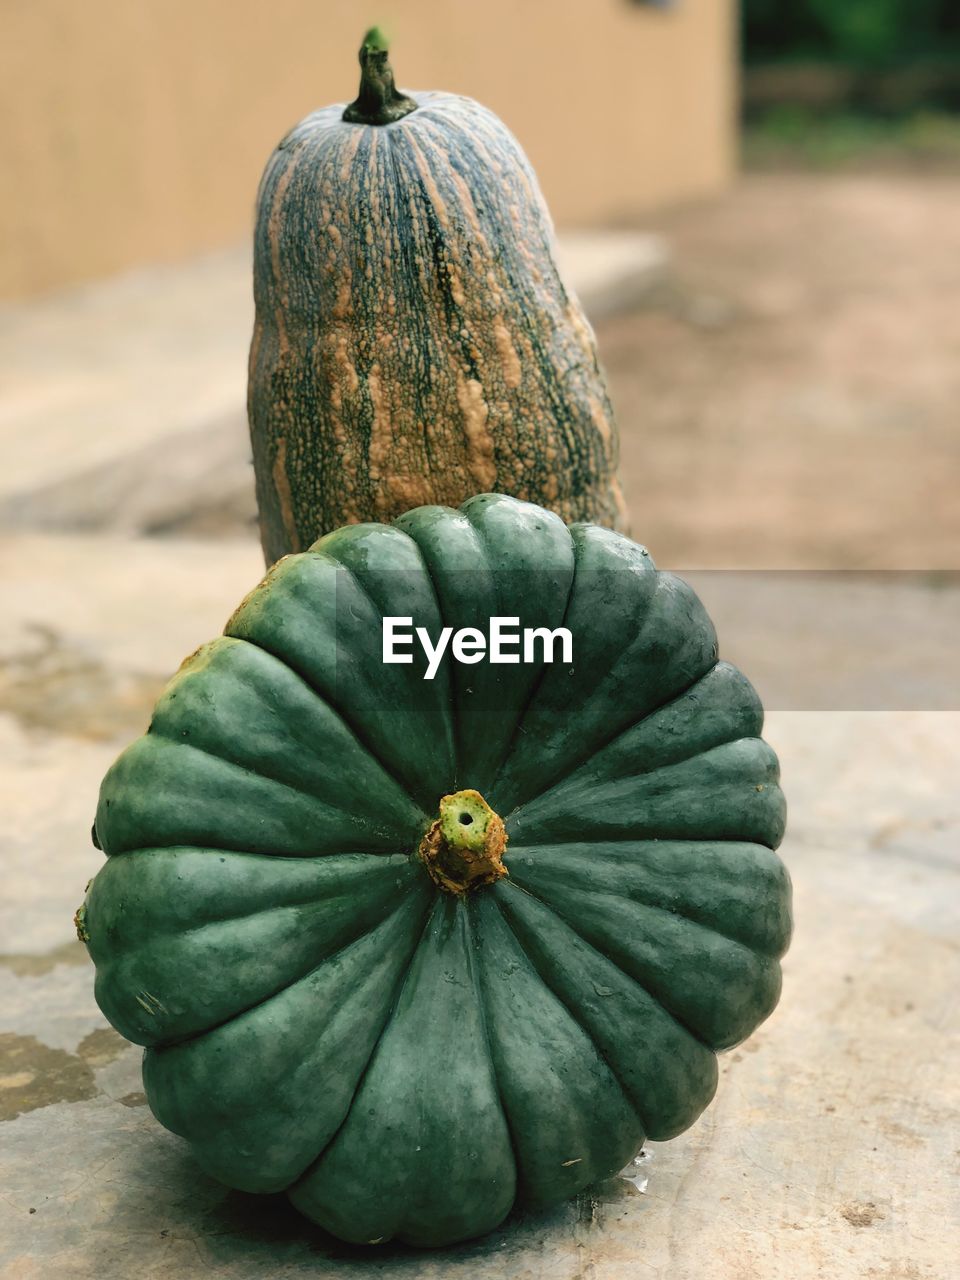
(789,395)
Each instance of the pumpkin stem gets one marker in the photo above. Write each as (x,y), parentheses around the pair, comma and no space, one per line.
(464,847)
(379,101)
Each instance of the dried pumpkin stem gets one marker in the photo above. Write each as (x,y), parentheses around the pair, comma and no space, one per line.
(464,847)
(379,101)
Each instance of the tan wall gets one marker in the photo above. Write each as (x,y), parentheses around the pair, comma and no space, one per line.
(135,130)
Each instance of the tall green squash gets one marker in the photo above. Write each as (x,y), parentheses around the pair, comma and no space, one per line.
(414,340)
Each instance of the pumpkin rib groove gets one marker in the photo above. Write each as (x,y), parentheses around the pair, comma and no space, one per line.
(305,901)
(408,258)
(249,853)
(643,987)
(257,1004)
(309,972)
(518,730)
(595,749)
(166,723)
(517,877)
(269,777)
(630,1101)
(429,913)
(773,781)
(451,701)
(640,772)
(346,720)
(579,764)
(655,991)
(693,1075)
(473,927)
(489,547)
(535,686)
(270,1084)
(449,611)
(448,702)
(557,843)
(427,1083)
(439,245)
(575,450)
(567,1094)
(696,749)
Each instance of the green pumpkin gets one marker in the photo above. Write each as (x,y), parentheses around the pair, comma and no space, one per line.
(414,341)
(417,950)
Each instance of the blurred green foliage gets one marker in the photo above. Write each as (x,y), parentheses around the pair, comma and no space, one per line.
(796,137)
(860,33)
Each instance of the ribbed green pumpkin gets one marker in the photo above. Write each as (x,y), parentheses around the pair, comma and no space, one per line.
(320,1016)
(414,341)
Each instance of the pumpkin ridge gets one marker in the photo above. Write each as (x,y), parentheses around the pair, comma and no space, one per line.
(449,707)
(484,553)
(688,752)
(630,896)
(579,764)
(653,986)
(594,748)
(450,702)
(643,987)
(500,958)
(273,818)
(694,752)
(756,774)
(346,720)
(434,909)
(126,854)
(165,1067)
(229,673)
(305,901)
(627,1095)
(577,551)
(269,777)
(442,965)
(602,746)
(278,782)
(521,714)
(114,968)
(686,1098)
(473,929)
(197,1035)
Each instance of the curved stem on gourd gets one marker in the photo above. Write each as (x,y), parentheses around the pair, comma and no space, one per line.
(464,847)
(379,101)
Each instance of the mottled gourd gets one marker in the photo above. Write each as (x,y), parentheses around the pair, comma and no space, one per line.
(415,341)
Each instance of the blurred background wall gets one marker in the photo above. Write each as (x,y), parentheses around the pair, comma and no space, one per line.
(135,130)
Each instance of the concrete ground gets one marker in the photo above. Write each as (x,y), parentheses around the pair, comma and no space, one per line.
(832,1147)
(788,393)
